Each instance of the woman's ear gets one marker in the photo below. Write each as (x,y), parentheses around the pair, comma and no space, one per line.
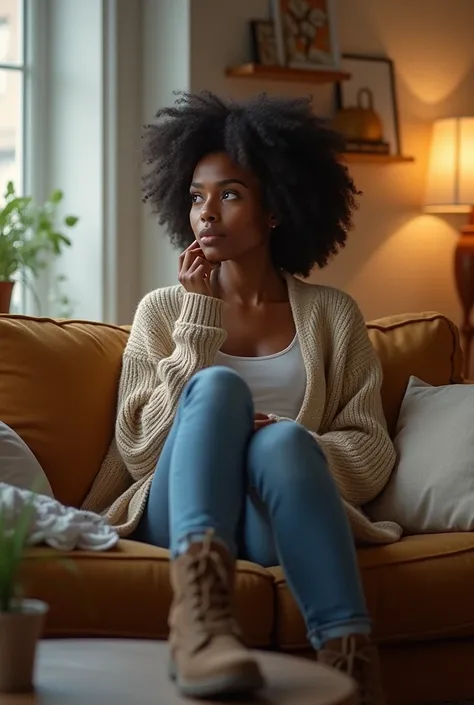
(273,221)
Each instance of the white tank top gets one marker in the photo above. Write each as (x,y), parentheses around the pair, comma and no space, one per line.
(277,382)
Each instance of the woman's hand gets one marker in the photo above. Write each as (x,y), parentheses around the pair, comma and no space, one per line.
(196,273)
(262,420)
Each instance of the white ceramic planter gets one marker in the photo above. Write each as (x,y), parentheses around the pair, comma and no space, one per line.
(20,631)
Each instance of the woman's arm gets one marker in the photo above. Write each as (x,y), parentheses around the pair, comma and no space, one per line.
(154,374)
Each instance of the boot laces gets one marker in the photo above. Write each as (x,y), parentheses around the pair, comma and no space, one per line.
(209,586)
(355,662)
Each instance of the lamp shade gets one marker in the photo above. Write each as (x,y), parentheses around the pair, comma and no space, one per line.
(450,184)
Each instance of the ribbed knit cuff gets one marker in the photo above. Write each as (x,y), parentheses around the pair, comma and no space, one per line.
(201,310)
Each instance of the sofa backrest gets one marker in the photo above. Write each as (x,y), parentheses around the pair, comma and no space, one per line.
(58,389)
(59,381)
(422,344)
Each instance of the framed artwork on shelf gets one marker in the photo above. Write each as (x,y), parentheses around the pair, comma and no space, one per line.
(306,36)
(264,46)
(366,105)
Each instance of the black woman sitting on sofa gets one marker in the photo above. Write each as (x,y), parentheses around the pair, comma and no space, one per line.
(249,411)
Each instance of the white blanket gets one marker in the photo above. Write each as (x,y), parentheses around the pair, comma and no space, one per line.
(55,525)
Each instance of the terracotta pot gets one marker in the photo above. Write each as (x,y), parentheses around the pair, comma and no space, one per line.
(6,289)
(19,634)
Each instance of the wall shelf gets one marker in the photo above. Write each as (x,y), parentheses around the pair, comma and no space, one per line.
(363,158)
(260,72)
(283,73)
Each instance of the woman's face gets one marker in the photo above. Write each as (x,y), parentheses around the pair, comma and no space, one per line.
(227,215)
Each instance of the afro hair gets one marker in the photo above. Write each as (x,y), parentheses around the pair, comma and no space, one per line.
(293,153)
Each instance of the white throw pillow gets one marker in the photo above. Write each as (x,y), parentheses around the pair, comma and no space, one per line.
(432,487)
(18,465)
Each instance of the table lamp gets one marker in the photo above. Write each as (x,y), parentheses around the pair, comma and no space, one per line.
(450,189)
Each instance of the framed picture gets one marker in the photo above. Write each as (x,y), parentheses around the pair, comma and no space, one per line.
(306,35)
(373,76)
(264,47)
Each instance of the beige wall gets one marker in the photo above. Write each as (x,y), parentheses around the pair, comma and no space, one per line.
(397,259)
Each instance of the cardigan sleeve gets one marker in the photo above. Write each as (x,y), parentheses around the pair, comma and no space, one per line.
(154,372)
(356,442)
(357,445)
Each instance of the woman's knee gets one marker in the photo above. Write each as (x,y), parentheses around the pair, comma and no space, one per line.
(281,437)
(219,380)
(284,452)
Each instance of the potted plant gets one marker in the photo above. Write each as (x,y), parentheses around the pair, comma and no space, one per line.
(21,620)
(30,234)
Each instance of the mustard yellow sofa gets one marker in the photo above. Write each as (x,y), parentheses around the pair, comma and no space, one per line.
(58,387)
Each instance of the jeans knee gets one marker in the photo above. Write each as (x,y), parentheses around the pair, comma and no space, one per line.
(289,432)
(223,381)
(285,452)
(279,437)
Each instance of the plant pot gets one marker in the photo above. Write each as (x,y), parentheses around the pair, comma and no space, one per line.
(19,634)
(6,289)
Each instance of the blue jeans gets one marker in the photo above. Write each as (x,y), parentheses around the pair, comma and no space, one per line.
(269,496)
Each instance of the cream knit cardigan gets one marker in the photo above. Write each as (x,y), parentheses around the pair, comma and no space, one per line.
(175,334)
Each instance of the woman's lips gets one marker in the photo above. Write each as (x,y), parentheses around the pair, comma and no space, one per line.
(210,238)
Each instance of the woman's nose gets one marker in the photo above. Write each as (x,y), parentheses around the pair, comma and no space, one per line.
(208,217)
(210,212)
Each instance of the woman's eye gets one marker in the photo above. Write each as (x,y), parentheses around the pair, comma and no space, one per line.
(195,197)
(229,195)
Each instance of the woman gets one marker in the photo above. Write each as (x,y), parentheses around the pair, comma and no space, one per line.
(249,415)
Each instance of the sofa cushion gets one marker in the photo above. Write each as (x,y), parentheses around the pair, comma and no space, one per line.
(431,489)
(58,388)
(126,593)
(18,465)
(425,345)
(417,589)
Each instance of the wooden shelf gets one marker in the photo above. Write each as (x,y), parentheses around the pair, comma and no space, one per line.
(363,158)
(286,74)
(283,73)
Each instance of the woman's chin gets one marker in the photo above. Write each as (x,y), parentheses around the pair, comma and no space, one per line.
(213,256)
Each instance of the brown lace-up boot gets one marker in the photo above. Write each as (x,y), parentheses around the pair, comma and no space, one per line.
(207,655)
(357,656)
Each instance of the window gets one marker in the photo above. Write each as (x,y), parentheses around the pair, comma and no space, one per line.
(12,91)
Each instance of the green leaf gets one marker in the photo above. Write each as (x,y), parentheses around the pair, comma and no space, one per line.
(30,233)
(64,239)
(71,220)
(44,221)
(12,544)
(56,196)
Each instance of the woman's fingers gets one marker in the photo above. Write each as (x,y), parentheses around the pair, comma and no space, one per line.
(195,271)
(262,422)
(193,249)
(189,258)
(198,262)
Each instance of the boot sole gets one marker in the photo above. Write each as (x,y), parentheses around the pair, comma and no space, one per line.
(236,684)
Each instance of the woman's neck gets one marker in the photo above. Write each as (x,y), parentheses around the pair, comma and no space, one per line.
(251,281)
